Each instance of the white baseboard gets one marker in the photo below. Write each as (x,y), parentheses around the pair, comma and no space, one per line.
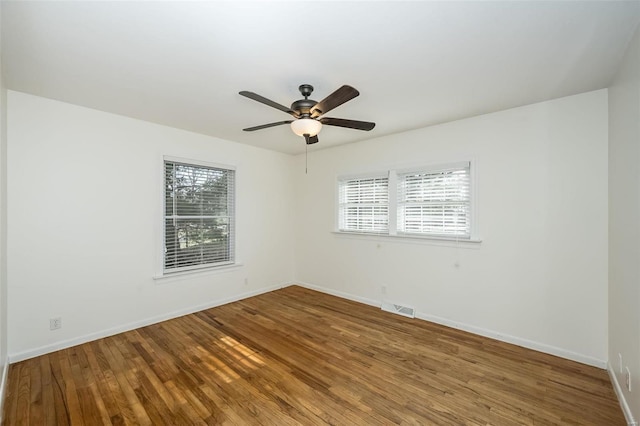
(3,387)
(32,353)
(518,341)
(337,293)
(628,415)
(529,344)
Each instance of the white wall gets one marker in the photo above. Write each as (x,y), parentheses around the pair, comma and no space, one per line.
(624,223)
(539,277)
(84,219)
(3,234)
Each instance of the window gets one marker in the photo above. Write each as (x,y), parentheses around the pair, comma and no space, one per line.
(199,218)
(435,203)
(429,202)
(364,205)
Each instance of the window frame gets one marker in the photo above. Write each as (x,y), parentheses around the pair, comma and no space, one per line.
(400,174)
(393,176)
(163,272)
(339,203)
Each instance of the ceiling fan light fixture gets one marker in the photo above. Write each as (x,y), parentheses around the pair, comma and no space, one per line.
(309,115)
(306,126)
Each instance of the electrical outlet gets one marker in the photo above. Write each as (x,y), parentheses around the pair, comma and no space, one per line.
(55,323)
(383,289)
(620,358)
(628,379)
(246,281)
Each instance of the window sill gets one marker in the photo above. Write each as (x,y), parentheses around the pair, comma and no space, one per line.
(441,241)
(213,270)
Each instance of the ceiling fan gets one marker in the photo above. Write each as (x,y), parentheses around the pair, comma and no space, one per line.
(309,114)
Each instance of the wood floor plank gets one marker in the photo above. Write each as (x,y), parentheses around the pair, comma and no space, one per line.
(46,381)
(299,357)
(109,407)
(70,395)
(135,412)
(23,393)
(60,406)
(36,403)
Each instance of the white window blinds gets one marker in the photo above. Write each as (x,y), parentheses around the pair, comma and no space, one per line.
(435,203)
(364,205)
(199,219)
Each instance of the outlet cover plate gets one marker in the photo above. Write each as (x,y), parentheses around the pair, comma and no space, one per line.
(55,323)
(628,379)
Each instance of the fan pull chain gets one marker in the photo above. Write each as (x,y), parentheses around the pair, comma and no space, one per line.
(306,157)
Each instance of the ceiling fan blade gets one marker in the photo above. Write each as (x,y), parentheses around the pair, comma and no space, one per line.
(310,140)
(351,124)
(268,102)
(337,98)
(266,126)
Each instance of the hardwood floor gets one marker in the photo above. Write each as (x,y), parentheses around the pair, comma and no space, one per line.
(295,356)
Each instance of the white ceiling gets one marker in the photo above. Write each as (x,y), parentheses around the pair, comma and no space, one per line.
(415,64)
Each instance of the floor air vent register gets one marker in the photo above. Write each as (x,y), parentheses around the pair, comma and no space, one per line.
(405,311)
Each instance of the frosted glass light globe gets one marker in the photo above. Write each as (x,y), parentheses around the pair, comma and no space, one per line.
(307,126)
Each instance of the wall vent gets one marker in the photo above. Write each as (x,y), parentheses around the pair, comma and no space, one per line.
(405,311)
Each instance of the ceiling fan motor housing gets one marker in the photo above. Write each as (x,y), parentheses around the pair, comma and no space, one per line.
(303,106)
